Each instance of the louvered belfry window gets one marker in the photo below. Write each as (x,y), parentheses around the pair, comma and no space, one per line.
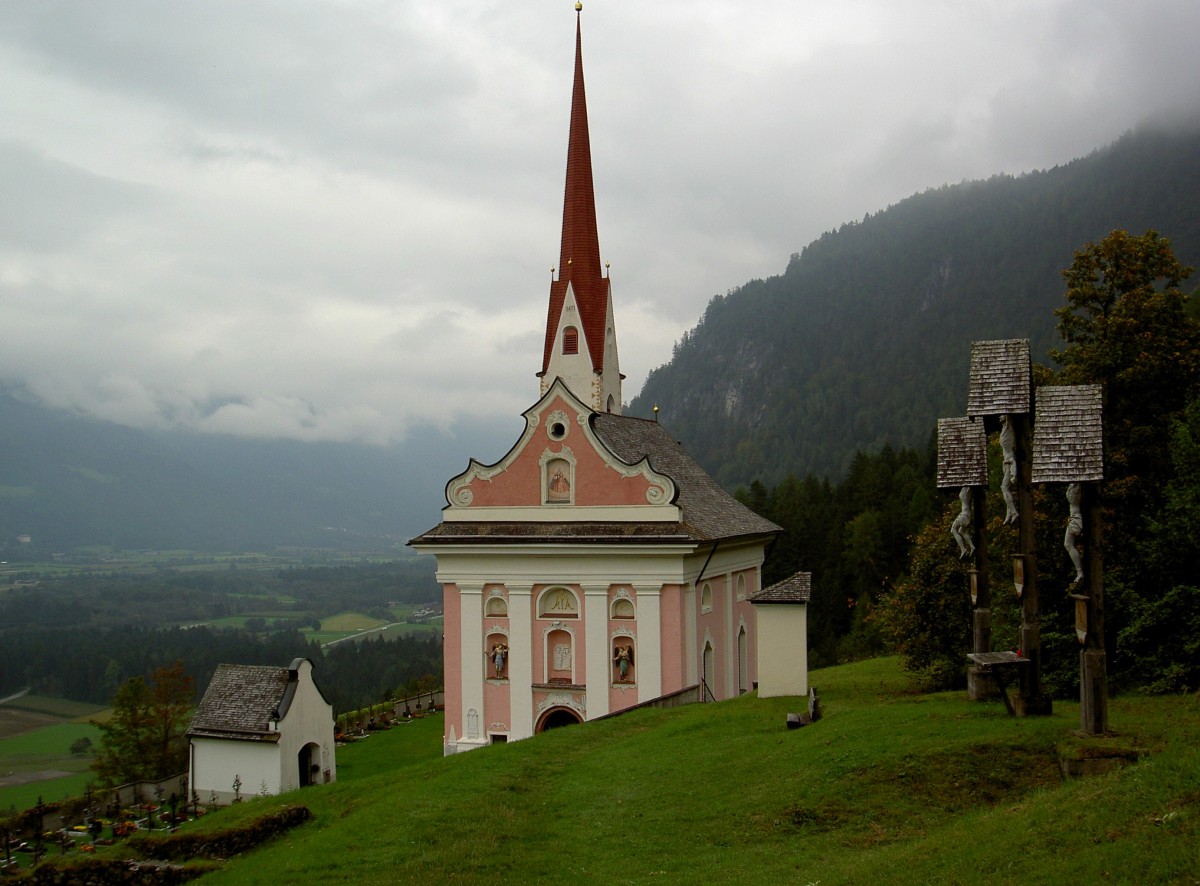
(570,340)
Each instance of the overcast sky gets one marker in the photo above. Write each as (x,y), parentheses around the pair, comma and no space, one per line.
(336,220)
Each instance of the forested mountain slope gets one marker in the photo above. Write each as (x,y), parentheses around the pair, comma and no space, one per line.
(865,338)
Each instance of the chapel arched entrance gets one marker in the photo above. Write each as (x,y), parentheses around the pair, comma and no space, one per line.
(556,718)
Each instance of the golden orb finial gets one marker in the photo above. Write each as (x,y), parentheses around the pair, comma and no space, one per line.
(578,6)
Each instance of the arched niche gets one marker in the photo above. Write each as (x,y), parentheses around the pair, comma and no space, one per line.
(558,603)
(496,606)
(622,608)
(706,598)
(624,660)
(495,647)
(559,658)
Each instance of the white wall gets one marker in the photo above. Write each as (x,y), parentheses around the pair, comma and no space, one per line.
(782,649)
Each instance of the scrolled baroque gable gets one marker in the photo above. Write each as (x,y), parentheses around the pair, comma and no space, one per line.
(560,470)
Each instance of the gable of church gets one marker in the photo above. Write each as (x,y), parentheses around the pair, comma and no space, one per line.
(559,470)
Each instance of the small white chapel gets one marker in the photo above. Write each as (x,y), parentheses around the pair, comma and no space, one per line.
(595,566)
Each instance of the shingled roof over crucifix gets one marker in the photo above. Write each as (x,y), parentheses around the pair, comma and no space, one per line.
(961,453)
(1068,437)
(1001,377)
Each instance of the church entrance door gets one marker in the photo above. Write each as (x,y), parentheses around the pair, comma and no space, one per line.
(556,717)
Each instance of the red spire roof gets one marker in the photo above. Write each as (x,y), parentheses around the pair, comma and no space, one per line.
(579,257)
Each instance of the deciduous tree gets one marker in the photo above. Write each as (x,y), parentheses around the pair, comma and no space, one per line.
(146,736)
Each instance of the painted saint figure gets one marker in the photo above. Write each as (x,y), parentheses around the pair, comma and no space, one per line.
(622,659)
(961,528)
(499,654)
(1008,446)
(1074,530)
(558,484)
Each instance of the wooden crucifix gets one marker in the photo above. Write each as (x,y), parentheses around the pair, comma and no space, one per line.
(1001,393)
(962,465)
(1068,449)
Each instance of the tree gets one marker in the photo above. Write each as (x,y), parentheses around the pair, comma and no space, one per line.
(1129,327)
(928,613)
(1126,327)
(146,736)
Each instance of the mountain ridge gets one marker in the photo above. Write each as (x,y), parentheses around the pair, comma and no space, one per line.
(863,340)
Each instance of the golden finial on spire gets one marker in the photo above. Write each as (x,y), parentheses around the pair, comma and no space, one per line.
(578,6)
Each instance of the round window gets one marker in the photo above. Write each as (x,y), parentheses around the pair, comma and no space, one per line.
(558,430)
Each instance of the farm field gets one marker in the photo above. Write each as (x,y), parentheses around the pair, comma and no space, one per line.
(35,750)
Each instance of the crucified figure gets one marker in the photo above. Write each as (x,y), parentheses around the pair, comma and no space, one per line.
(1074,530)
(961,528)
(1008,446)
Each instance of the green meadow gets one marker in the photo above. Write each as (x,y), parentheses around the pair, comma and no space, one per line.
(888,787)
(36,734)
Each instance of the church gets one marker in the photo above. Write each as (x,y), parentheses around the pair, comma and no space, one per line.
(595,566)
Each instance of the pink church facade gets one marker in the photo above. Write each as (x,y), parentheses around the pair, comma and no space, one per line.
(596,566)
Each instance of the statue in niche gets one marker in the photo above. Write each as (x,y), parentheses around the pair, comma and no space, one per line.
(558,481)
(562,657)
(1008,446)
(1074,530)
(962,528)
(622,660)
(499,654)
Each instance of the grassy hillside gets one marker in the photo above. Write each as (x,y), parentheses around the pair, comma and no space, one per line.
(890,787)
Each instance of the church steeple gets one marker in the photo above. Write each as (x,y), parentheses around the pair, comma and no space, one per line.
(581,344)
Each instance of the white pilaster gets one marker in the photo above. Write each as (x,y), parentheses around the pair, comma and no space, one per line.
(649,643)
(599,672)
(691,649)
(520,663)
(730,640)
(471,638)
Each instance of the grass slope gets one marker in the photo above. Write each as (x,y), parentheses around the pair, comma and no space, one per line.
(889,787)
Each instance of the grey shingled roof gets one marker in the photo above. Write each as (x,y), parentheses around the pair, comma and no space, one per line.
(797,589)
(1068,435)
(708,510)
(240,702)
(1000,377)
(961,453)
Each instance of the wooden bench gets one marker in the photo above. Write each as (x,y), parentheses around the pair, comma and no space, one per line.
(998,664)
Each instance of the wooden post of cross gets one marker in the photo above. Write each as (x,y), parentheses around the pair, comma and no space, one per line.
(1001,394)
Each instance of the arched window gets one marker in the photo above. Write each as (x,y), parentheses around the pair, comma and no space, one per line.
(706,598)
(570,340)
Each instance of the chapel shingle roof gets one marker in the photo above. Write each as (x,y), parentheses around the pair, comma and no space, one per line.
(797,589)
(240,702)
(709,512)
